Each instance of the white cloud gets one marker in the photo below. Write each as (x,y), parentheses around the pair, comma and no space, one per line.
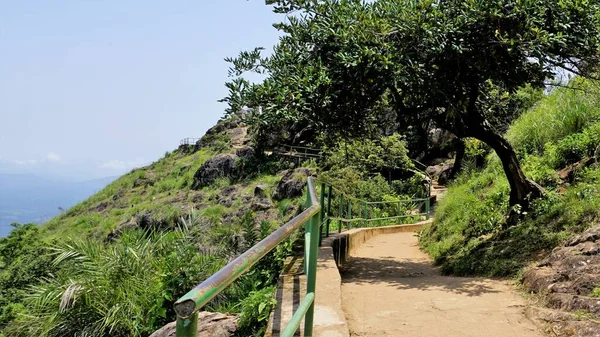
(53,157)
(26,162)
(121,165)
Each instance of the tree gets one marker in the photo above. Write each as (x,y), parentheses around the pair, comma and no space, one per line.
(454,63)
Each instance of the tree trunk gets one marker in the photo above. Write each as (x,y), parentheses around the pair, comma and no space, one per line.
(458,158)
(522,190)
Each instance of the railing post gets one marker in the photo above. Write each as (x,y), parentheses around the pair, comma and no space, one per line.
(427,206)
(311,276)
(187,327)
(341,213)
(349,214)
(328,211)
(307,233)
(321,213)
(366,214)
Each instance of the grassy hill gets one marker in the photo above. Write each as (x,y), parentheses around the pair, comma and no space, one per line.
(557,142)
(149,237)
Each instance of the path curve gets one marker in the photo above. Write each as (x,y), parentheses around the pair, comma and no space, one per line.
(390,288)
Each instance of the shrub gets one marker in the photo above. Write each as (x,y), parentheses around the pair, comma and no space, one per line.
(123,289)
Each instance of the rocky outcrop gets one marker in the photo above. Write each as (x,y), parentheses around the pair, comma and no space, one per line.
(221,165)
(210,324)
(292,183)
(568,277)
(562,324)
(246,152)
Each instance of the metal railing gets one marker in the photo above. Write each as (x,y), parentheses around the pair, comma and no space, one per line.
(188,141)
(298,151)
(317,220)
(187,307)
(347,212)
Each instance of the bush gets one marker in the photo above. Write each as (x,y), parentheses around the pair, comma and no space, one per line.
(124,289)
(572,149)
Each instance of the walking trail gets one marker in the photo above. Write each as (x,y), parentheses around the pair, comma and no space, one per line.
(390,288)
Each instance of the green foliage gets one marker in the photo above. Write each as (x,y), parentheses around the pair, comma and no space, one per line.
(370,155)
(256,308)
(24,262)
(562,113)
(123,289)
(559,130)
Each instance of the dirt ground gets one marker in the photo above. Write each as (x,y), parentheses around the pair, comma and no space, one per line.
(390,288)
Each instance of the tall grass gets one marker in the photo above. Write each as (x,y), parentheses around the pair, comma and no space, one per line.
(563,112)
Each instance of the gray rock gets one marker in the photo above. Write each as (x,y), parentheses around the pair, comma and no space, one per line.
(220,166)
(239,136)
(261,204)
(210,324)
(570,274)
(292,183)
(246,152)
(260,191)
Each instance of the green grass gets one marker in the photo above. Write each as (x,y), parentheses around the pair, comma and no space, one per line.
(470,234)
(149,189)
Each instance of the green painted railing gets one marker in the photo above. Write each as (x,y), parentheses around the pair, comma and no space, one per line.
(187,307)
(341,211)
(332,207)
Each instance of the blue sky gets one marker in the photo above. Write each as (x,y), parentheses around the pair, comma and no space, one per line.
(92,88)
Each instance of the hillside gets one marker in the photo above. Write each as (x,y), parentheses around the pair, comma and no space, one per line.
(157,196)
(150,236)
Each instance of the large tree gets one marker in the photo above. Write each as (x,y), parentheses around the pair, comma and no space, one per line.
(340,65)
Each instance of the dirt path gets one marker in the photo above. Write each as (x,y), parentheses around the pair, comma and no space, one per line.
(389,288)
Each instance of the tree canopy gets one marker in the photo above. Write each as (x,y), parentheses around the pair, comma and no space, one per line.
(342,68)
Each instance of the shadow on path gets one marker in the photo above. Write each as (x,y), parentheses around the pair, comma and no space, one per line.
(411,274)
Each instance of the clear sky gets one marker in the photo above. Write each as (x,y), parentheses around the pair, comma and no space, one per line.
(92,88)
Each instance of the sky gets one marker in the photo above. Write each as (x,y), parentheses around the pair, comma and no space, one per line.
(94,88)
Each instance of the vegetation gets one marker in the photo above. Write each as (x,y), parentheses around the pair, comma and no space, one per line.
(563,129)
(350,77)
(341,67)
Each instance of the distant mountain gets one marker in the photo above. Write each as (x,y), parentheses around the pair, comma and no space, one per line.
(26,198)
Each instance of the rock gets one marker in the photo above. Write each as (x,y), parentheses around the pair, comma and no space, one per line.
(568,173)
(100,207)
(292,183)
(142,182)
(239,136)
(260,191)
(197,197)
(229,190)
(562,324)
(570,274)
(261,204)
(246,152)
(210,324)
(119,230)
(221,165)
(440,172)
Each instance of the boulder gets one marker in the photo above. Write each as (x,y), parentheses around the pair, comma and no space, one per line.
(260,191)
(239,136)
(292,183)
(220,166)
(570,274)
(562,324)
(210,324)
(440,172)
(246,152)
(261,204)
